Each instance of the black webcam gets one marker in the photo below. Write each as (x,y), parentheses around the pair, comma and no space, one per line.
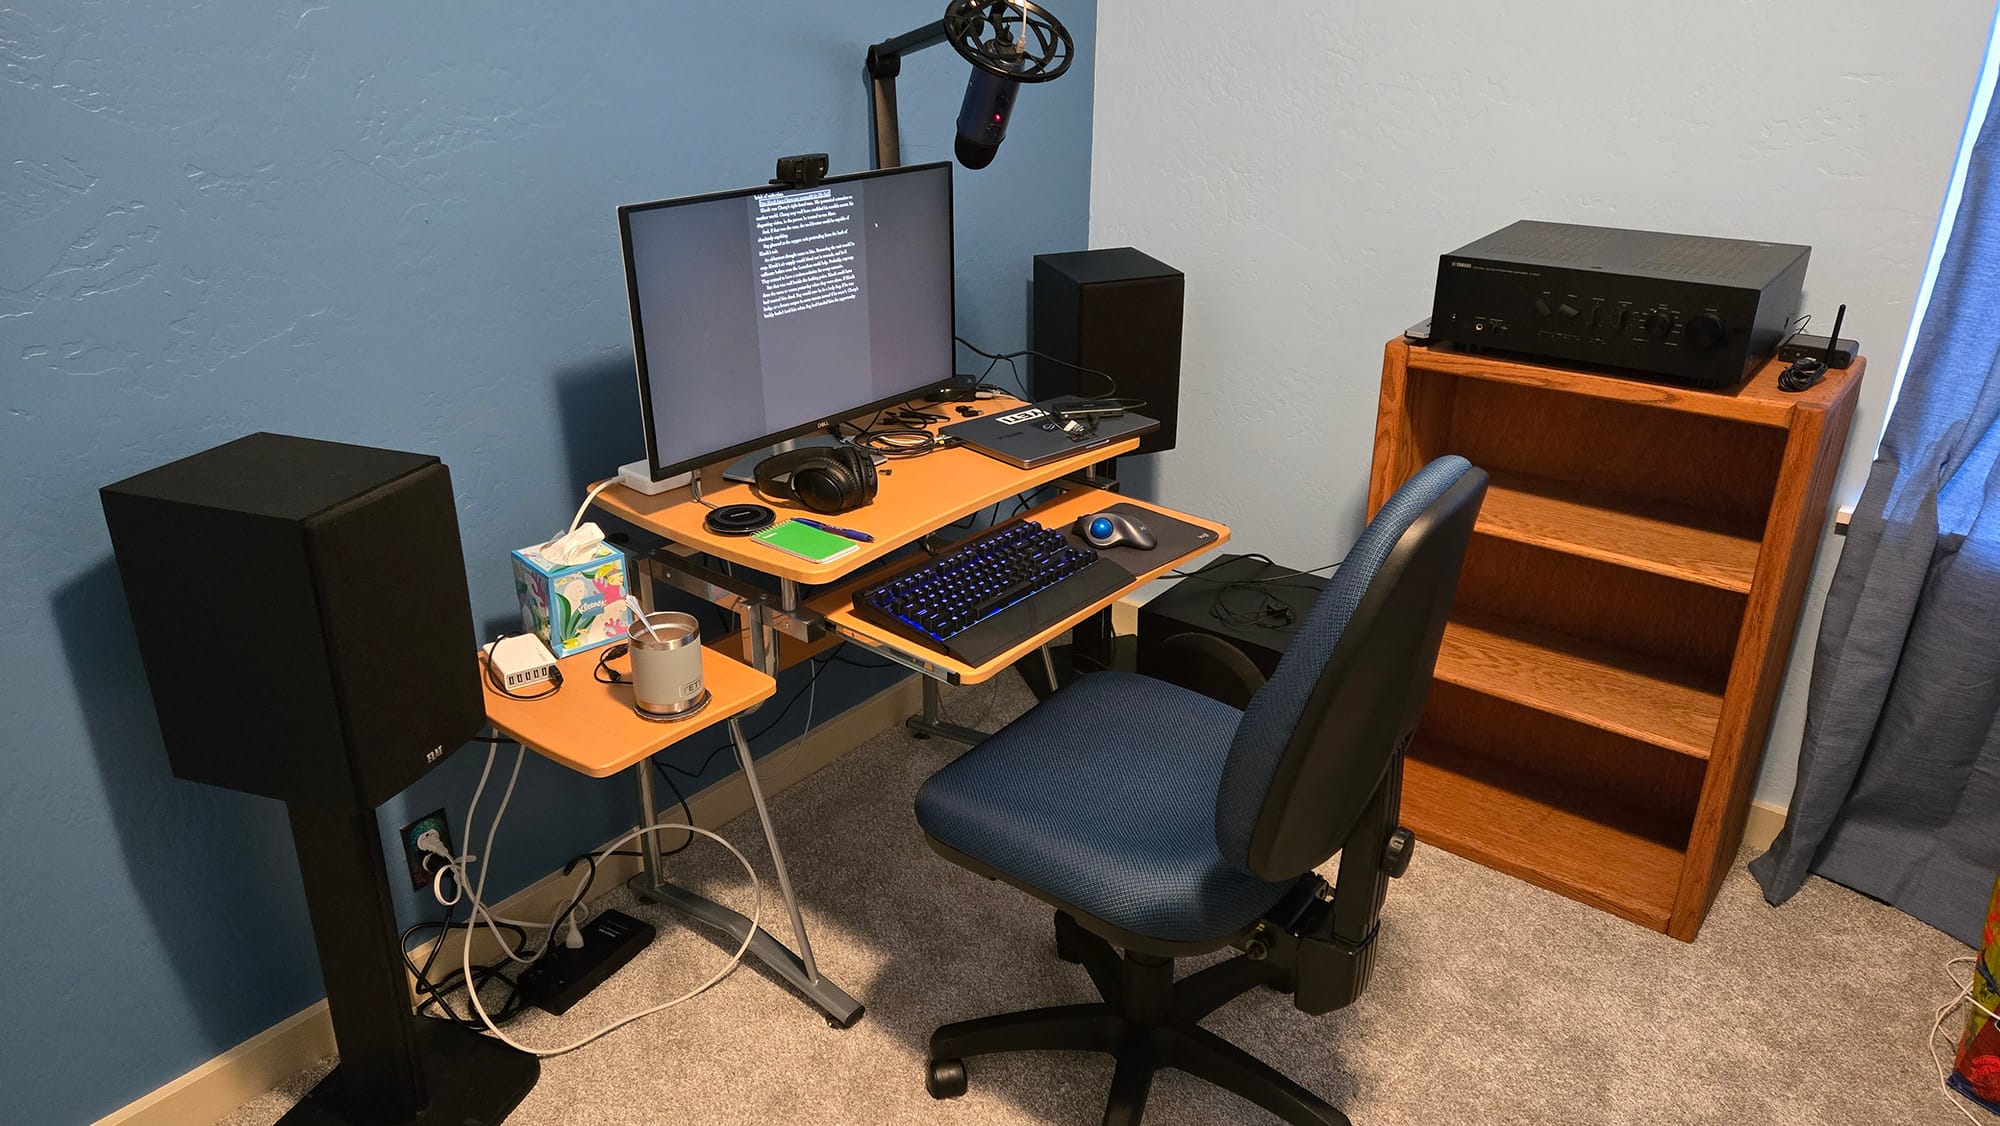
(805,170)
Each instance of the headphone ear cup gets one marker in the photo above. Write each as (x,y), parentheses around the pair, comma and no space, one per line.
(826,481)
(862,467)
(823,486)
(829,485)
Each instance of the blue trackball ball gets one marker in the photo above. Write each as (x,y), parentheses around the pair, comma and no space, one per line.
(1100,527)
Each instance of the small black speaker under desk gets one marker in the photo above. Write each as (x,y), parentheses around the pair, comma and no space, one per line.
(1245,586)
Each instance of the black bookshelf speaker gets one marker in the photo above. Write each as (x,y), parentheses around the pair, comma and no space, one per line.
(301,610)
(1117,311)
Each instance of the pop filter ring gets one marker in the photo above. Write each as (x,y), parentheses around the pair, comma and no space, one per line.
(966,19)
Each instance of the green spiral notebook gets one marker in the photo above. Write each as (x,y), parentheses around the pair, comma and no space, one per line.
(795,538)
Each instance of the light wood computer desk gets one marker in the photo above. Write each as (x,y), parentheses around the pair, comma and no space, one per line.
(590,727)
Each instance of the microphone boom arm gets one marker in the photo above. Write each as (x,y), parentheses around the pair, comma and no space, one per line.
(885,63)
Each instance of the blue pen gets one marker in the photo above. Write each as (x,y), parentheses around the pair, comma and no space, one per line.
(850,533)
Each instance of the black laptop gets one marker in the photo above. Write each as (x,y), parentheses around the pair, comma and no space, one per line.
(1050,430)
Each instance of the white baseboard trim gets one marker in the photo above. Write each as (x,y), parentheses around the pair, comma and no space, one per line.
(233,1078)
(1761,827)
(216,1088)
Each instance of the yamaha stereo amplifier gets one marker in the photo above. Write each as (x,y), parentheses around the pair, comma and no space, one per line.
(1684,308)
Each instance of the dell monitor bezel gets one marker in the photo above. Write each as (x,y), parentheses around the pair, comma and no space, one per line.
(695,464)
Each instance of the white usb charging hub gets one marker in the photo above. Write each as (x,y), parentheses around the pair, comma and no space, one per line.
(521,661)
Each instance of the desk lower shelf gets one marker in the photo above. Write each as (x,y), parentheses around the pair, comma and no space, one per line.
(838,605)
(591,727)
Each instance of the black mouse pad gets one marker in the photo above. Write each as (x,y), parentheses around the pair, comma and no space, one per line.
(1174,538)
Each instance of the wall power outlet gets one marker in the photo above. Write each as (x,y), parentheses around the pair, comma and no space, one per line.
(420,873)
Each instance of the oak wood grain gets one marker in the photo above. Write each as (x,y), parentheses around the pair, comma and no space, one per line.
(1639,697)
(1633,592)
(1645,790)
(1681,623)
(1677,541)
(591,727)
(1557,837)
(1799,524)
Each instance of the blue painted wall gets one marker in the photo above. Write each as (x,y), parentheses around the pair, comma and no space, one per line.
(378,223)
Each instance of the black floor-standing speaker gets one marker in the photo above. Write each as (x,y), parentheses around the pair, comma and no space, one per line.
(336,575)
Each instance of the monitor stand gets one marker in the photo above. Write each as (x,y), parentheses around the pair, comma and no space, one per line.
(744,469)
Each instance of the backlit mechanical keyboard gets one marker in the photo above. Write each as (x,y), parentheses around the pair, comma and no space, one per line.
(992,592)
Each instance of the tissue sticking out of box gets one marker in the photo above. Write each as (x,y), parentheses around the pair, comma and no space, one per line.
(578,545)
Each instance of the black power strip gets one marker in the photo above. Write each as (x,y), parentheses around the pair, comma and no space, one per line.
(562,977)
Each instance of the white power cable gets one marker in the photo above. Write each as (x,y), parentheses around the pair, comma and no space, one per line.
(470,890)
(1964,997)
(577,520)
(457,866)
(486,861)
(812,695)
(756,920)
(565,546)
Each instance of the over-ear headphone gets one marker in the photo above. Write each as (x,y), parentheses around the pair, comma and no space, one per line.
(824,479)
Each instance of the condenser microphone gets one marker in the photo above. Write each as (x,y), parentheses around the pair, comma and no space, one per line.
(1008,42)
(982,117)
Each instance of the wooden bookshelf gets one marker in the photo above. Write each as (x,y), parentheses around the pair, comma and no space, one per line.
(1605,685)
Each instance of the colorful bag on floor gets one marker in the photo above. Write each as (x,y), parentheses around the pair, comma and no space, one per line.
(1976,1069)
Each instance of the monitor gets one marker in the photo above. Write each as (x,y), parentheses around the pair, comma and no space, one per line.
(764,314)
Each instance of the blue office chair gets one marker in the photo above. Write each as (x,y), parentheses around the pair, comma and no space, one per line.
(1169,825)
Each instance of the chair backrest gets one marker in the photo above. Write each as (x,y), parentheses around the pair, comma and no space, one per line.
(1318,737)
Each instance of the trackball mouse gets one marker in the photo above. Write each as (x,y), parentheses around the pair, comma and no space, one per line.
(1114,529)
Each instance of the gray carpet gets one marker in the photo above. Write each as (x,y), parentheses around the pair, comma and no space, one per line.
(1494,1001)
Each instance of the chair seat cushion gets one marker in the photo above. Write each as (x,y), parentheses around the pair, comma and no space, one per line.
(1102,800)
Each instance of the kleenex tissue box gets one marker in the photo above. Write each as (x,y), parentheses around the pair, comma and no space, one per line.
(565,603)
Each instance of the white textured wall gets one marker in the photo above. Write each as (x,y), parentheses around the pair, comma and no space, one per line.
(1306,163)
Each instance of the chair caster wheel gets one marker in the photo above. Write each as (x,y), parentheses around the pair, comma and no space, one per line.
(945,1079)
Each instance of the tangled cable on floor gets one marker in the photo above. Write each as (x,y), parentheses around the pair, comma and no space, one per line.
(470,890)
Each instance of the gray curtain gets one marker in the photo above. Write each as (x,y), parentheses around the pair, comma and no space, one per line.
(1899,776)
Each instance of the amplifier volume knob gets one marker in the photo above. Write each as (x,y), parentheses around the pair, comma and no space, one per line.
(1704,330)
(1657,324)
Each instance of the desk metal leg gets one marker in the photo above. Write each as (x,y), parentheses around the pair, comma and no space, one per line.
(655,871)
(931,721)
(796,968)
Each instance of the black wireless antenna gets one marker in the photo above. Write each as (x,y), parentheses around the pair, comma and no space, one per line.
(1833,338)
